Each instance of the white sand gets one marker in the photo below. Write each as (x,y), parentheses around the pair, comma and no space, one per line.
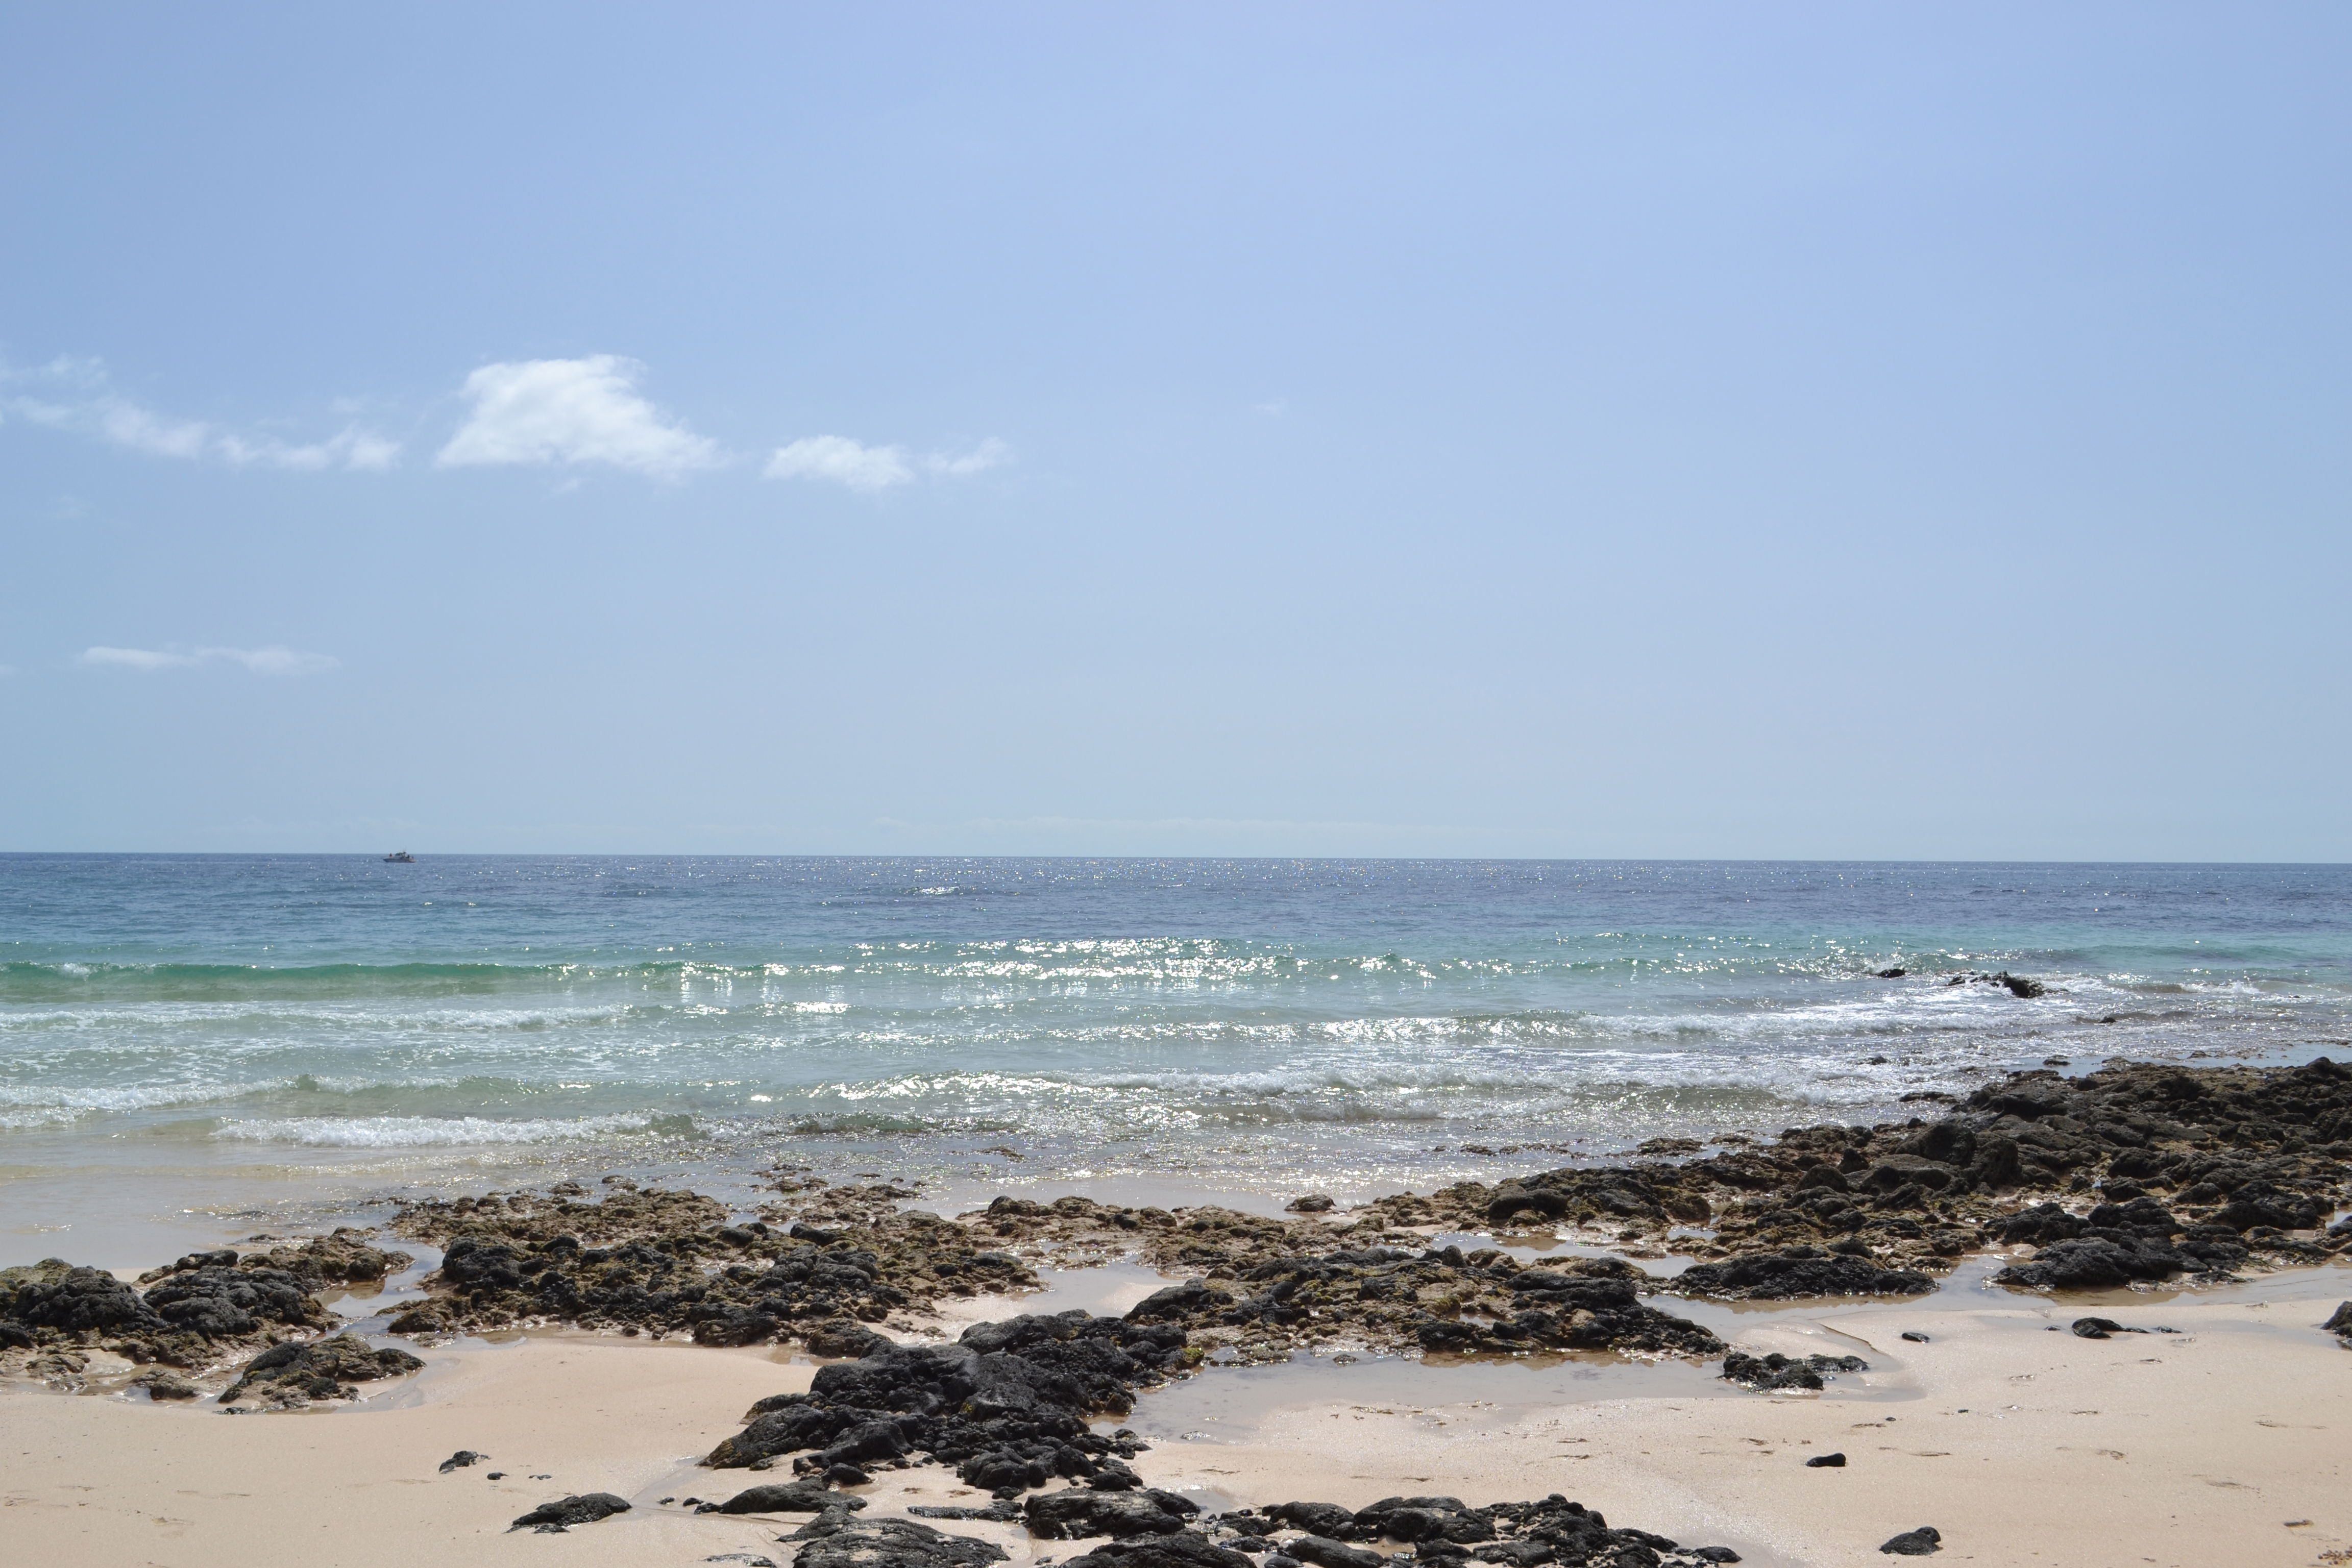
(2189,1451)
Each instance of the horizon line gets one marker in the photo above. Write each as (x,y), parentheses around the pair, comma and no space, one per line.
(1080,857)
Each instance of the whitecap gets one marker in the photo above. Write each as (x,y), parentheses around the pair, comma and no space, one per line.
(442,1131)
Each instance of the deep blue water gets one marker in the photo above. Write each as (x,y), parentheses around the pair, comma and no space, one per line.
(1253,1023)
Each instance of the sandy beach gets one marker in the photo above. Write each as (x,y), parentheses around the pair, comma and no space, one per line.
(2221,1443)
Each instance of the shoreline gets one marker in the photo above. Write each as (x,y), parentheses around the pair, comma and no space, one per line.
(2197,1432)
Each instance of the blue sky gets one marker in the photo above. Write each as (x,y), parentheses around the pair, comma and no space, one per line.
(1682,430)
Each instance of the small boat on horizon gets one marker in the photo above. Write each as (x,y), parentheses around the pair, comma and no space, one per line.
(400,858)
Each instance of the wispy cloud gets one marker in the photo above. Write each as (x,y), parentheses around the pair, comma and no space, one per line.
(351,448)
(572,411)
(75,395)
(978,457)
(272,660)
(844,461)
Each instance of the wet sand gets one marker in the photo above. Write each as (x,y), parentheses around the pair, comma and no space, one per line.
(2021,1446)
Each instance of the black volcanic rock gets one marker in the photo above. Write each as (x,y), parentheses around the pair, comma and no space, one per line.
(1923,1541)
(1799,1272)
(553,1518)
(1767,1373)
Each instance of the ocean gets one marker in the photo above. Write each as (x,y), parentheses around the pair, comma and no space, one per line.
(191,1046)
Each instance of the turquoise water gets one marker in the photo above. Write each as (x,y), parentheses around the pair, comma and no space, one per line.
(1243,1024)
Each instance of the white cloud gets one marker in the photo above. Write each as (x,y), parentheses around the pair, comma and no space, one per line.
(271,660)
(274,659)
(863,468)
(353,448)
(842,461)
(990,453)
(572,411)
(74,395)
(135,658)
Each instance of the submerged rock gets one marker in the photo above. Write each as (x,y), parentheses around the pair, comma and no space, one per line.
(164,1386)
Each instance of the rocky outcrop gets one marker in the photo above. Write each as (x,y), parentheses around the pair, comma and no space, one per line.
(1798,1272)
(291,1376)
(1439,1530)
(2115,1244)
(64,1300)
(2127,1173)
(667,1263)
(223,1301)
(1445,1531)
(1435,1301)
(344,1257)
(189,1316)
(1008,1406)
